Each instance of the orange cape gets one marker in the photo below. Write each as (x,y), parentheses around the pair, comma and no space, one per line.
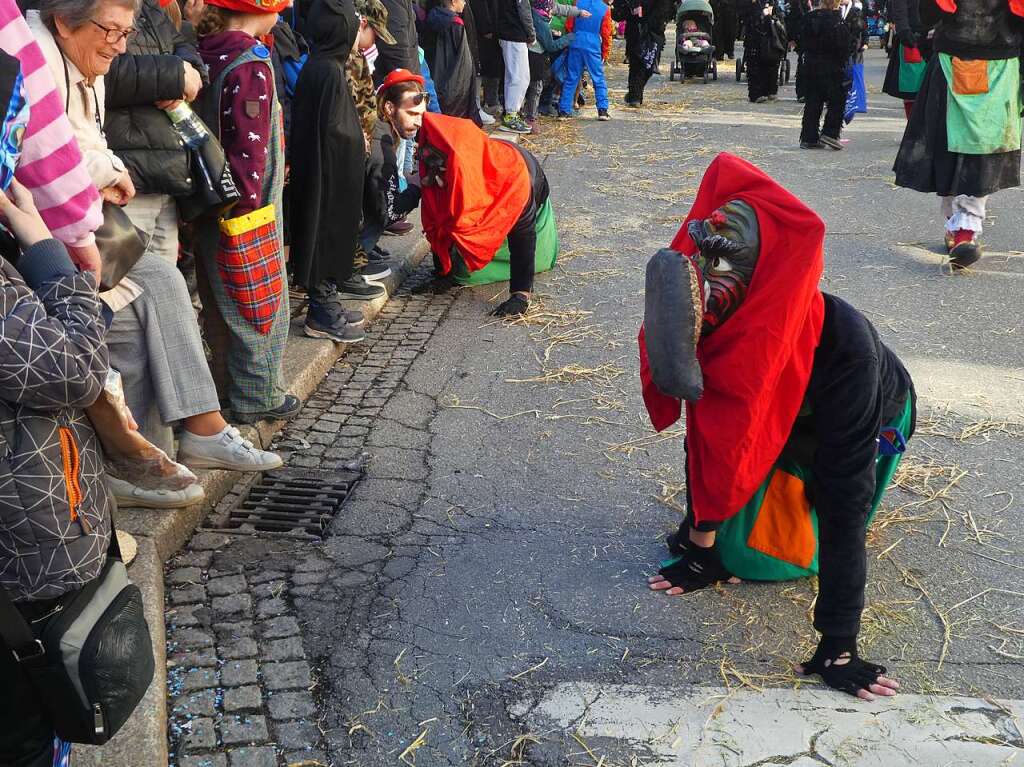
(486,188)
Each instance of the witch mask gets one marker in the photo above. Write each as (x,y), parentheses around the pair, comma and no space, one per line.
(687,297)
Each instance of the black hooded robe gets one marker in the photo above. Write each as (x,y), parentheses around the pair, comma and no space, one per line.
(329,154)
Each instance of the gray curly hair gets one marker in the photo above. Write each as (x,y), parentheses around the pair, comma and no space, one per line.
(77,13)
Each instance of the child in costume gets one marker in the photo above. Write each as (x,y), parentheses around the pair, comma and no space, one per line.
(451,60)
(826,45)
(243,285)
(547,46)
(764,46)
(327,173)
(963,138)
(589,49)
(796,412)
(485,202)
(909,58)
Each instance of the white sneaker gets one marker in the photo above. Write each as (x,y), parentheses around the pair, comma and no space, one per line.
(486,118)
(129,495)
(227,450)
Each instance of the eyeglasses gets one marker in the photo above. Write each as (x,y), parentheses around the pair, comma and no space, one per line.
(114,36)
(415,99)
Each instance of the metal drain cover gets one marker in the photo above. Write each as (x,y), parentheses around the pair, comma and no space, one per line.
(291,501)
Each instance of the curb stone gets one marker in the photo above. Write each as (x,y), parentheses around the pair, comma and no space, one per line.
(161,534)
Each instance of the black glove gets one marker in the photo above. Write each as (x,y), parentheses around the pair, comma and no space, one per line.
(836,661)
(696,568)
(515,306)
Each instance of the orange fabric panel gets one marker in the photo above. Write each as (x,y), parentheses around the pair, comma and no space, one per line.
(970,77)
(783,528)
(607,29)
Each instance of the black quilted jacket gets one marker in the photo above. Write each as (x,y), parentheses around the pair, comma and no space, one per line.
(141,135)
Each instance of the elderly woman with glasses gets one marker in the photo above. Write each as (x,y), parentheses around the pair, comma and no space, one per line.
(154,338)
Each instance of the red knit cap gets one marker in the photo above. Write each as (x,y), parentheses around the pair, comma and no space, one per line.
(251,6)
(394,77)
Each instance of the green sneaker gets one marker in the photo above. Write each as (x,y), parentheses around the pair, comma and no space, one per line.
(514,123)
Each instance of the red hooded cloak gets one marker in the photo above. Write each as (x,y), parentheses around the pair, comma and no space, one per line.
(757,364)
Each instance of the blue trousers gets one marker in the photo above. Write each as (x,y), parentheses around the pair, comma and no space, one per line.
(577,60)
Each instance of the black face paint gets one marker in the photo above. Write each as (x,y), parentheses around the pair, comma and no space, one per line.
(729,244)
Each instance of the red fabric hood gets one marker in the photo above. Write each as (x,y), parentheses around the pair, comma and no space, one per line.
(487,186)
(758,363)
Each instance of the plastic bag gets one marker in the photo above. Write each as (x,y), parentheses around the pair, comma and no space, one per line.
(127,454)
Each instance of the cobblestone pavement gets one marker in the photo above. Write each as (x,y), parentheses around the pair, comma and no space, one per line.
(242,688)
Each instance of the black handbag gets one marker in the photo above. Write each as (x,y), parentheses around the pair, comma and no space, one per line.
(213,187)
(93,659)
(121,245)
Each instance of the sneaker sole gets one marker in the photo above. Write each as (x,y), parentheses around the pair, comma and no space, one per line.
(519,131)
(833,145)
(383,274)
(252,418)
(363,296)
(313,333)
(195,462)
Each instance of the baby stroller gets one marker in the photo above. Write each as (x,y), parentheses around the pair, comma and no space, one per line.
(694,62)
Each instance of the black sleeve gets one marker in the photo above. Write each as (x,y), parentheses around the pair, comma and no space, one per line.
(142,79)
(848,416)
(392,57)
(185,46)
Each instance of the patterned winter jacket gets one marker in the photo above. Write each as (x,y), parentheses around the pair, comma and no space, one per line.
(54,505)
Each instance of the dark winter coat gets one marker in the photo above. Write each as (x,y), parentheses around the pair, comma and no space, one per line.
(485,19)
(762,33)
(515,21)
(326,186)
(979,29)
(825,41)
(54,505)
(404,54)
(649,27)
(141,135)
(451,63)
(907,18)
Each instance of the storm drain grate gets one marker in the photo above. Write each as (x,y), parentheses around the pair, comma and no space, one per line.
(293,502)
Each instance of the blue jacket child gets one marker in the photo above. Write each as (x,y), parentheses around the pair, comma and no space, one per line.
(588,50)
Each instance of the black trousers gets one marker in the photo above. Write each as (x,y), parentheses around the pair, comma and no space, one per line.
(823,90)
(26,734)
(762,78)
(639,74)
(724,32)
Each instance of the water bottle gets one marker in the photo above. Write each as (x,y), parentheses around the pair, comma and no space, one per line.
(190,128)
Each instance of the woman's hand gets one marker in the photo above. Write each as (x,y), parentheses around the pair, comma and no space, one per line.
(193,10)
(121,191)
(193,82)
(18,211)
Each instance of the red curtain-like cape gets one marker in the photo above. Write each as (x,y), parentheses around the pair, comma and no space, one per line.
(486,187)
(758,363)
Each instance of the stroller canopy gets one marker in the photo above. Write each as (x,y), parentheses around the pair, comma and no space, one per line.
(696,10)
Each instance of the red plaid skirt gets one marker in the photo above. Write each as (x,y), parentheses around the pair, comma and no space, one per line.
(249,262)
